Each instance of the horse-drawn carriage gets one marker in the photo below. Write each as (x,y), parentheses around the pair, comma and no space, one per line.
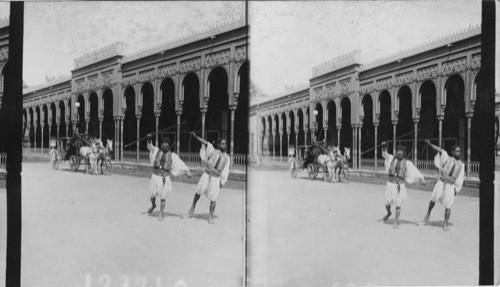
(317,158)
(80,149)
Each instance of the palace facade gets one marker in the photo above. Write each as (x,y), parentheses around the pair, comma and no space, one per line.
(197,83)
(426,92)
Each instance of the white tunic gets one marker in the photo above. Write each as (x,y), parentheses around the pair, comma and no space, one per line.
(158,185)
(210,185)
(445,192)
(392,194)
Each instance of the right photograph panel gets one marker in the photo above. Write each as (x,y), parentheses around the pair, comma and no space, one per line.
(363,160)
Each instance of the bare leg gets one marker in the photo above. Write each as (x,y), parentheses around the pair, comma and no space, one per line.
(162,207)
(431,206)
(153,205)
(447,213)
(211,215)
(388,208)
(195,200)
(396,220)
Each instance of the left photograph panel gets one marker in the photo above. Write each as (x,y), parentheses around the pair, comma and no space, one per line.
(134,143)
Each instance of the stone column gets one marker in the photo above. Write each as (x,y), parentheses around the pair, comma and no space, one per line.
(469,123)
(67,129)
(375,125)
(42,128)
(178,131)
(138,117)
(440,121)
(121,138)
(415,140)
(232,109)
(338,136)
(87,126)
(354,147)
(34,139)
(394,124)
(359,146)
(203,114)
(57,135)
(297,143)
(273,134)
(281,144)
(157,120)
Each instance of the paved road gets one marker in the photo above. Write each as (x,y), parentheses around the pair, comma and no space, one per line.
(324,234)
(79,228)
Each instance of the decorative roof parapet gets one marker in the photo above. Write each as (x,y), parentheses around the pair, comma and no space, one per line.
(57,81)
(115,49)
(429,45)
(337,63)
(177,42)
(4,22)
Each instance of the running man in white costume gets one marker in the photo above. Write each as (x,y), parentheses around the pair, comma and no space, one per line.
(399,170)
(451,178)
(165,163)
(215,173)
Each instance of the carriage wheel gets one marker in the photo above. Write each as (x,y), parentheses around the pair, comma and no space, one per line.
(73,163)
(107,165)
(312,171)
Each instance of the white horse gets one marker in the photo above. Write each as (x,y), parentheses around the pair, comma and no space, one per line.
(91,153)
(342,164)
(104,153)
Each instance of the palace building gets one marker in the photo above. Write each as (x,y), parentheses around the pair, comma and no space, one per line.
(426,92)
(197,83)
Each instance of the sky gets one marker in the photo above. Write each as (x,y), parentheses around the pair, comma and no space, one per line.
(289,38)
(4,9)
(56,33)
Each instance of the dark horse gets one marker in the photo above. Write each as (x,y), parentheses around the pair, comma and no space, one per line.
(311,154)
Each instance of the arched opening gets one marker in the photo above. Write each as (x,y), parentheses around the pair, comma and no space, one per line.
(148,121)
(94,119)
(38,116)
(385,121)
(292,128)
(46,131)
(346,131)
(455,122)
(276,137)
(284,137)
(263,139)
(62,119)
(53,128)
(108,124)
(332,123)
(191,113)
(318,110)
(308,122)
(270,142)
(405,121)
(218,118)
(302,135)
(70,127)
(241,113)
(129,122)
(475,128)
(367,129)
(31,128)
(427,123)
(168,116)
(80,125)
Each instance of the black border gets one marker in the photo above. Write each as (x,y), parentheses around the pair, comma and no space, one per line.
(11,116)
(484,123)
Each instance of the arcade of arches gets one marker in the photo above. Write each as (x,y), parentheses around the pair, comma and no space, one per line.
(399,113)
(219,110)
